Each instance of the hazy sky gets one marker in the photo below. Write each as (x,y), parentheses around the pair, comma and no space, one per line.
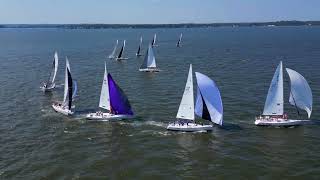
(156,11)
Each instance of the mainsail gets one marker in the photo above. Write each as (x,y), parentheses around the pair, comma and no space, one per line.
(118,100)
(153,43)
(122,49)
(54,70)
(209,103)
(149,59)
(139,49)
(300,95)
(114,50)
(104,95)
(186,108)
(274,101)
(179,41)
(68,86)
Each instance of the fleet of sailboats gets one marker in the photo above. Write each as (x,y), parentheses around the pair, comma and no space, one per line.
(50,83)
(70,90)
(112,100)
(208,105)
(115,105)
(300,97)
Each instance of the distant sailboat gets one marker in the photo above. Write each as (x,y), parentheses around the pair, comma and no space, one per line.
(112,55)
(149,63)
(179,41)
(208,105)
(120,56)
(50,83)
(139,48)
(113,100)
(300,97)
(70,91)
(153,42)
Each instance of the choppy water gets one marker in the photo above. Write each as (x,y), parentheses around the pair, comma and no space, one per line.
(38,143)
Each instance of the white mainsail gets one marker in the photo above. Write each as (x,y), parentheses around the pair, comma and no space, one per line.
(66,85)
(186,108)
(209,103)
(114,50)
(301,94)
(104,95)
(154,40)
(149,59)
(55,68)
(274,101)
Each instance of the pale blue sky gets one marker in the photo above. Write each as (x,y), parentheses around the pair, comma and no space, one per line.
(155,11)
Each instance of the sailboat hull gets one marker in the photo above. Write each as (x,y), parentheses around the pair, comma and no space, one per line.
(279,122)
(150,70)
(62,109)
(120,59)
(188,127)
(98,116)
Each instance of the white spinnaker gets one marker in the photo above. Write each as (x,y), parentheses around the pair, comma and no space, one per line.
(274,101)
(186,108)
(209,94)
(114,50)
(104,95)
(66,85)
(300,94)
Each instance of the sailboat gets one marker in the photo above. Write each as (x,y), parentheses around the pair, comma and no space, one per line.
(70,91)
(111,56)
(120,56)
(50,84)
(208,105)
(153,42)
(139,49)
(113,100)
(149,63)
(300,97)
(179,41)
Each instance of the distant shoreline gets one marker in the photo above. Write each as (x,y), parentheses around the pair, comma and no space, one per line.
(183,25)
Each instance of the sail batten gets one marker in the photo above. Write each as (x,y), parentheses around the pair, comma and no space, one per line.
(300,93)
(274,101)
(186,108)
(209,103)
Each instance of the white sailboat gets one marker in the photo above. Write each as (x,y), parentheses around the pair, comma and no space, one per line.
(149,63)
(113,101)
(139,48)
(208,105)
(120,55)
(179,41)
(50,83)
(111,56)
(70,90)
(153,42)
(300,97)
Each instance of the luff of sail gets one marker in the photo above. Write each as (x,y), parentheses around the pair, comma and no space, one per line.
(209,103)
(149,59)
(300,93)
(274,101)
(104,95)
(186,108)
(114,50)
(118,100)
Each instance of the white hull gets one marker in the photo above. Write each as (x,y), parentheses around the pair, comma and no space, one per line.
(279,122)
(150,70)
(62,109)
(44,89)
(98,116)
(111,57)
(189,127)
(120,59)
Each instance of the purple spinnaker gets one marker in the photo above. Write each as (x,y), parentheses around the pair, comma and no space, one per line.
(118,100)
